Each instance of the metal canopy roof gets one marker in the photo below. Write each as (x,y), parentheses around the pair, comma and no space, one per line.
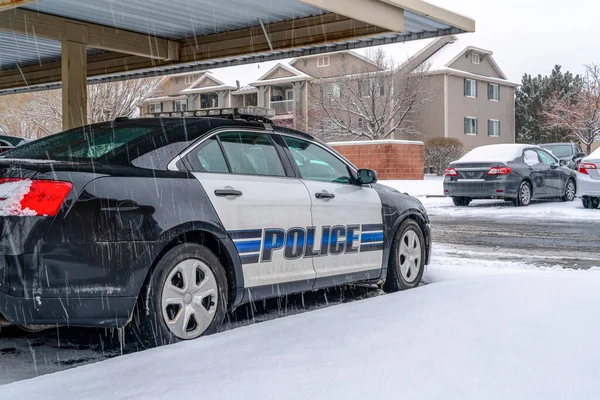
(135,38)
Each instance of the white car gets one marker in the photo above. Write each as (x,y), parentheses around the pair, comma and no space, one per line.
(588,180)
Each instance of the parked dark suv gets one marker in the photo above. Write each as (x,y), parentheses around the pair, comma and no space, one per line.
(571,153)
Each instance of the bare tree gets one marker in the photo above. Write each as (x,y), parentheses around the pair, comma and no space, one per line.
(579,114)
(40,113)
(368,102)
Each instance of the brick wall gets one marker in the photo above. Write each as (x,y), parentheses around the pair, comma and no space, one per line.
(392,159)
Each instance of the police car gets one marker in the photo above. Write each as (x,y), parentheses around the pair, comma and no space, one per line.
(165,224)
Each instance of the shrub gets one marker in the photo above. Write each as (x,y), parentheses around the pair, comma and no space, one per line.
(439,152)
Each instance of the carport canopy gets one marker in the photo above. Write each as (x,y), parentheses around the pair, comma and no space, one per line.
(47,44)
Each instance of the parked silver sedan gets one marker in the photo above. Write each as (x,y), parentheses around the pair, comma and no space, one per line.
(588,180)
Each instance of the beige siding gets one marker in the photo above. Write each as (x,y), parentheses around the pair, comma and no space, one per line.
(459,106)
(207,82)
(484,67)
(279,73)
(339,64)
(174,86)
(429,119)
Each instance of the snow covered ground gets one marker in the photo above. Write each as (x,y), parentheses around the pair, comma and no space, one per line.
(479,329)
(433,186)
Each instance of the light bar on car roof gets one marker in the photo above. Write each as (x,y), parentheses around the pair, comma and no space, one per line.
(229,112)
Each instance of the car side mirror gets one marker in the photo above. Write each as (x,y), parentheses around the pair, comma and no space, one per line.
(554,165)
(579,155)
(366,176)
(562,163)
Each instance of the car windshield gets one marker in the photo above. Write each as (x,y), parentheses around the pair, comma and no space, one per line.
(559,150)
(88,142)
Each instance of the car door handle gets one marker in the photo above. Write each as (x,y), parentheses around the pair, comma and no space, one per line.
(227,192)
(324,195)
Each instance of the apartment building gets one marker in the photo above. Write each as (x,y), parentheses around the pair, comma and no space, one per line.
(470,97)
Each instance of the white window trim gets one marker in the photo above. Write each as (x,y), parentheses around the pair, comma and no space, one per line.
(497,134)
(189,79)
(475,56)
(475,90)
(155,106)
(498,86)
(474,133)
(325,61)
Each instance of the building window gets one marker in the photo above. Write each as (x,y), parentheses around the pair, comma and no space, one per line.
(323,61)
(470,88)
(251,99)
(370,87)
(189,79)
(209,100)
(475,58)
(471,126)
(154,108)
(493,127)
(493,92)
(180,105)
(361,123)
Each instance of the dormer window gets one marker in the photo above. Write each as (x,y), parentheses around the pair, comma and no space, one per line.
(323,61)
(189,79)
(475,58)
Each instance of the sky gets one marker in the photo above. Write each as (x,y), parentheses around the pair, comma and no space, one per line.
(526,36)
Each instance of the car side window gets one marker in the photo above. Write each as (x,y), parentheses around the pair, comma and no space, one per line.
(546,158)
(251,153)
(316,163)
(530,157)
(208,157)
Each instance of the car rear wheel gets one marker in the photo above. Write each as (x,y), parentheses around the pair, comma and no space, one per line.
(461,201)
(185,298)
(569,191)
(590,202)
(407,258)
(524,197)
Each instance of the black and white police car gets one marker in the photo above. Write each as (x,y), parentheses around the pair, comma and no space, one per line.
(171,222)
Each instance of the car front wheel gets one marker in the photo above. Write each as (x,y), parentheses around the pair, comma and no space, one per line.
(407,258)
(185,298)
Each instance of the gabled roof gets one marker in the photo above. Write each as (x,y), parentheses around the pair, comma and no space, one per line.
(350,52)
(451,52)
(298,76)
(287,67)
(193,88)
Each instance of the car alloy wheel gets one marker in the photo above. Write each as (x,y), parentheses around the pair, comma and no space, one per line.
(409,256)
(189,299)
(569,191)
(524,194)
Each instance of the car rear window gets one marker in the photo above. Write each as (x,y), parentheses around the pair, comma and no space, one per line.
(560,150)
(89,142)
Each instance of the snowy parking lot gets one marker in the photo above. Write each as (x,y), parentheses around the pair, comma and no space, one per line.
(502,314)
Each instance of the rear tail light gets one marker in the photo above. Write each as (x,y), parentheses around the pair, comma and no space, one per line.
(499,171)
(26,197)
(450,172)
(583,167)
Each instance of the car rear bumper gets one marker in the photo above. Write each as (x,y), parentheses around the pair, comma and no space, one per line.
(91,311)
(587,186)
(480,189)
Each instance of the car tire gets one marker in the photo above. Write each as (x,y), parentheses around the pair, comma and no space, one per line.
(188,282)
(594,202)
(461,201)
(524,195)
(407,258)
(569,191)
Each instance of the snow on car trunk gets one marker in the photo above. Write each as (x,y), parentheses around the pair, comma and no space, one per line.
(512,335)
(12,192)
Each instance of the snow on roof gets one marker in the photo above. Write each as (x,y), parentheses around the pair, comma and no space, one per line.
(495,153)
(402,52)
(285,66)
(441,58)
(245,89)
